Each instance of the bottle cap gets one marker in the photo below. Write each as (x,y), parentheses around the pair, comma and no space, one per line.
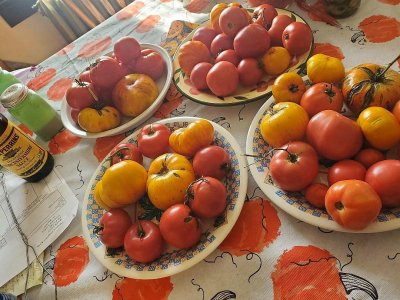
(13,95)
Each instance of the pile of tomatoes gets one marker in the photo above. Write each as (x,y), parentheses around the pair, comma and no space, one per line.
(112,87)
(232,49)
(183,180)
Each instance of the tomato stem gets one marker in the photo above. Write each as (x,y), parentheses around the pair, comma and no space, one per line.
(98,229)
(80,83)
(380,75)
(140,232)
(329,91)
(151,131)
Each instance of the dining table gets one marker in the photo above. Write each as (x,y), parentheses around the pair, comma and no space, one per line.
(268,254)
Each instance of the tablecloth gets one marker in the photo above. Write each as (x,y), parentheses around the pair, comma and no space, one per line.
(269,254)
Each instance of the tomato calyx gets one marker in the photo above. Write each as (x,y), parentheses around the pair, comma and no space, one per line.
(97,230)
(82,84)
(187,219)
(294,88)
(330,92)
(339,205)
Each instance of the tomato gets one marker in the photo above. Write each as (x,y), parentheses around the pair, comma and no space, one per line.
(179,228)
(367,157)
(252,41)
(126,151)
(294,166)
(126,49)
(220,43)
(223,79)
(396,110)
(143,242)
(113,226)
(325,68)
(352,203)
(288,87)
(228,55)
(191,53)
(264,14)
(75,114)
(232,20)
(250,72)
(277,27)
(274,3)
(78,95)
(384,177)
(85,76)
(151,64)
(346,169)
(99,120)
(333,135)
(315,194)
(198,76)
(105,72)
(153,140)
(322,96)
(205,35)
(297,38)
(212,161)
(286,122)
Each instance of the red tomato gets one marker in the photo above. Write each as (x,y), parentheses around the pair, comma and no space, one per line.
(346,169)
(297,38)
(322,96)
(207,197)
(125,68)
(199,74)
(106,72)
(223,79)
(153,140)
(212,161)
(294,166)
(220,43)
(278,26)
(232,20)
(78,95)
(250,72)
(274,3)
(315,194)
(251,41)
(367,157)
(396,110)
(352,203)
(205,35)
(74,114)
(384,177)
(264,15)
(179,228)
(126,49)
(333,135)
(126,151)
(85,76)
(151,64)
(228,55)
(113,226)
(143,242)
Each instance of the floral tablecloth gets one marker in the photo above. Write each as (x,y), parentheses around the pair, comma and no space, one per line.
(268,254)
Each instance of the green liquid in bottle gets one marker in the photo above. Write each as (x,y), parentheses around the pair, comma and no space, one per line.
(6,79)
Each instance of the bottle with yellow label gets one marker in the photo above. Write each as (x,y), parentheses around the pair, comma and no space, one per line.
(21,155)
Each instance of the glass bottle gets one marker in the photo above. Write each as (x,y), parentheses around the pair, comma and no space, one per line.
(22,155)
(31,110)
(342,8)
(6,79)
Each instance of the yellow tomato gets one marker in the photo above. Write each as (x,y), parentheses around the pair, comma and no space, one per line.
(93,120)
(288,87)
(380,127)
(169,177)
(324,68)
(276,60)
(122,184)
(286,122)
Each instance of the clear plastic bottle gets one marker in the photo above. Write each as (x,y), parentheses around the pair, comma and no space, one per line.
(6,79)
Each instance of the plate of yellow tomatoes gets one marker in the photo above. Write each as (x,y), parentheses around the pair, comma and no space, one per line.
(164,188)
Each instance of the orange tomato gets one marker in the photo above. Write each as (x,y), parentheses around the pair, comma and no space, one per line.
(288,87)
(315,194)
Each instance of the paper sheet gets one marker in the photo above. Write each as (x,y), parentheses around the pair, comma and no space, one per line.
(43,209)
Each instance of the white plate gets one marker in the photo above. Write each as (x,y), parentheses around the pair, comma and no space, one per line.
(163,84)
(294,203)
(172,261)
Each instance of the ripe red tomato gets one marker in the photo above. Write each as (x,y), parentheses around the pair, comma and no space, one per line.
(153,140)
(228,55)
(368,156)
(384,177)
(223,79)
(322,96)
(346,169)
(205,35)
(294,166)
(126,151)
(251,41)
(78,95)
(250,72)
(220,43)
(207,197)
(315,194)
(232,20)
(212,161)
(179,228)
(151,64)
(278,26)
(126,49)
(297,38)
(85,76)
(143,242)
(264,15)
(74,114)
(106,72)
(113,226)
(333,135)
(199,74)
(352,203)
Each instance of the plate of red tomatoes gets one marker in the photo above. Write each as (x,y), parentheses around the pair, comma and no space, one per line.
(164,198)
(235,57)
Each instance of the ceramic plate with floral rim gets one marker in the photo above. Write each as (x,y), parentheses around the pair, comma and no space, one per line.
(172,261)
(295,203)
(262,90)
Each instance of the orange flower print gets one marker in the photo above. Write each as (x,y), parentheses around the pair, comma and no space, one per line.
(380,29)
(196,6)
(104,145)
(42,79)
(63,141)
(25,129)
(134,289)
(392,2)
(130,11)
(257,226)
(93,48)
(71,260)
(57,91)
(328,49)
(66,49)
(148,24)
(172,101)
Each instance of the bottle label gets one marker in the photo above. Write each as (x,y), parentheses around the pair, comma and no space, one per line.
(19,154)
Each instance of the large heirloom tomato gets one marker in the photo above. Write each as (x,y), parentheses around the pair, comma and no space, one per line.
(153,140)
(191,53)
(113,226)
(216,12)
(232,20)
(287,121)
(324,68)
(352,203)
(169,176)
(333,135)
(264,15)
(98,120)
(252,41)
(223,79)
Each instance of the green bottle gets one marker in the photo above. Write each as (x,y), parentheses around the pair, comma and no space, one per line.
(6,79)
